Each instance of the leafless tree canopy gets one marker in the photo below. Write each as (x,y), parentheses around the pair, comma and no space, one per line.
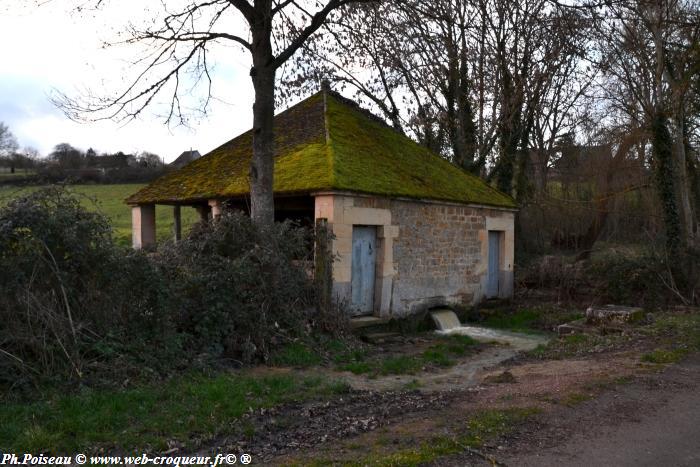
(178,45)
(8,142)
(523,93)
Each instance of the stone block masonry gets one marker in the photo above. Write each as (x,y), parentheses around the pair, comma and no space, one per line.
(430,253)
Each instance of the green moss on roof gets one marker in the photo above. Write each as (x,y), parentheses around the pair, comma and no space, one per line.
(373,158)
(327,146)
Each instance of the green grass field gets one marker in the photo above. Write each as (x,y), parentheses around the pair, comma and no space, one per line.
(151,416)
(6,173)
(109,200)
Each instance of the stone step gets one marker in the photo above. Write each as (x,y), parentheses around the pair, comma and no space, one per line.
(360,322)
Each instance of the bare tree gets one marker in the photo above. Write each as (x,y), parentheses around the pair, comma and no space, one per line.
(8,142)
(471,79)
(650,59)
(179,42)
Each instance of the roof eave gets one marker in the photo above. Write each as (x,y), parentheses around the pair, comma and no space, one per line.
(420,200)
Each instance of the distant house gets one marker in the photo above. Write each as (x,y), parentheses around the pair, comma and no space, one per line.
(412,231)
(184,159)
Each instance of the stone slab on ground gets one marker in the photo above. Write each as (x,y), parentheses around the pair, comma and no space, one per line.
(613,314)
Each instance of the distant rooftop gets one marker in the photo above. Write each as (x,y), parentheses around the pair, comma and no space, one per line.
(185,158)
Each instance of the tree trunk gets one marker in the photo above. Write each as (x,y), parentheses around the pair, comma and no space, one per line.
(662,146)
(683,183)
(262,206)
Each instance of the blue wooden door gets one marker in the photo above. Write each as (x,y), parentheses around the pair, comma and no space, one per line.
(364,260)
(494,262)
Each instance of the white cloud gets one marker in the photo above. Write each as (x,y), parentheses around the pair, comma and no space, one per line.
(52,47)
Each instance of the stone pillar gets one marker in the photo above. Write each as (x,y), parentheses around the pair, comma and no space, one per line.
(143,225)
(386,268)
(177,223)
(216,208)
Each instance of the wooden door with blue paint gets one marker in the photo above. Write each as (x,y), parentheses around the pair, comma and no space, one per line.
(364,263)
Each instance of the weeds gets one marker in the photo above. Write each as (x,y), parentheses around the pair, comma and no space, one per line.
(483,427)
(441,354)
(674,336)
(664,356)
(296,354)
(574,398)
(150,416)
(525,320)
(569,346)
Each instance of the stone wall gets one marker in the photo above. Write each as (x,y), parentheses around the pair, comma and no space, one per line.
(437,252)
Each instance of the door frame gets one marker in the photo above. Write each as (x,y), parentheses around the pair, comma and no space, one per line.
(341,214)
(500,242)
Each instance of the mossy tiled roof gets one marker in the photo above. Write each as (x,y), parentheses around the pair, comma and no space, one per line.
(326,143)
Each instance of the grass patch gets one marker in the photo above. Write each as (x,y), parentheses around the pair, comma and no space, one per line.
(679,329)
(147,417)
(573,399)
(524,320)
(296,354)
(109,200)
(674,336)
(663,356)
(607,383)
(414,385)
(441,354)
(569,346)
(519,321)
(401,365)
(481,428)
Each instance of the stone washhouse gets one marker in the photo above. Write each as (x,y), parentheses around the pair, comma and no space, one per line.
(412,231)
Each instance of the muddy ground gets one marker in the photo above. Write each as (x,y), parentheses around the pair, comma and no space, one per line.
(497,405)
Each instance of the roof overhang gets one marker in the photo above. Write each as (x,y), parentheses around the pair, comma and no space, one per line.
(413,200)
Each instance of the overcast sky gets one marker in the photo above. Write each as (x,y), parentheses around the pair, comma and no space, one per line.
(52,47)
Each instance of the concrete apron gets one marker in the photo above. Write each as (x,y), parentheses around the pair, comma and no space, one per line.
(466,374)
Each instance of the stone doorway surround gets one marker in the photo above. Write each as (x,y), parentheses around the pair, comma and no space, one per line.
(506,247)
(341,214)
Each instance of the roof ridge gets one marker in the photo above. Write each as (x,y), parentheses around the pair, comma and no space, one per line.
(366,112)
(329,144)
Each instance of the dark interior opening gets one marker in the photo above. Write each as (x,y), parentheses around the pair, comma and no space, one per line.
(299,209)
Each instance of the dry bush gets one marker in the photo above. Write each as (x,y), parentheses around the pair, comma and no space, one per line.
(76,307)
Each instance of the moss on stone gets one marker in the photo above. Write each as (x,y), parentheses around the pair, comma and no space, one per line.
(331,145)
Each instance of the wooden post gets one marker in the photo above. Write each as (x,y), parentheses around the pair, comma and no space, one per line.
(323,267)
(177,223)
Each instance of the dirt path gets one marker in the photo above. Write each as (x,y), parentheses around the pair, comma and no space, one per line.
(651,422)
(600,404)
(469,372)
(631,414)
